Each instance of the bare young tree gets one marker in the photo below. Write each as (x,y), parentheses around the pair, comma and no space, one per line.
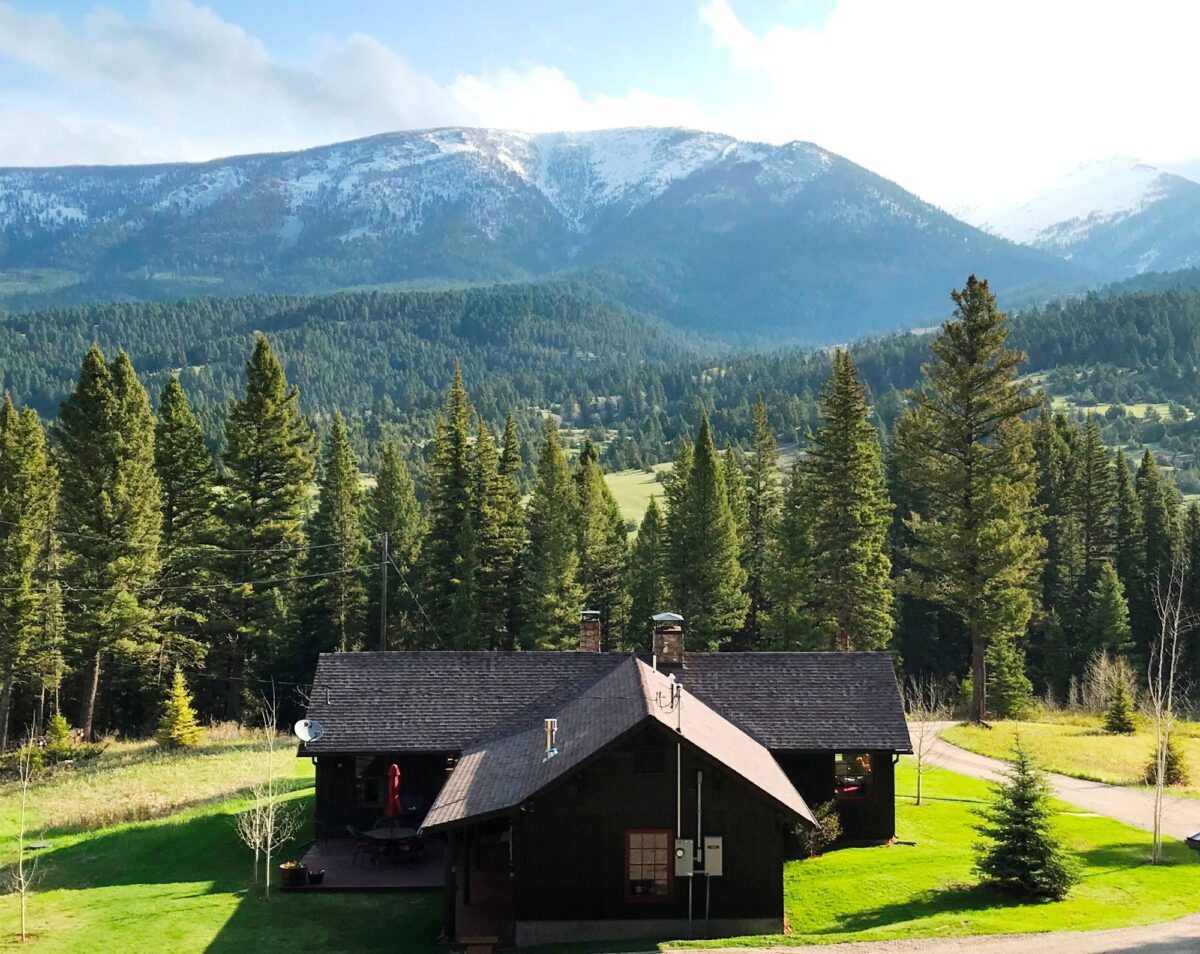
(1174,621)
(267,825)
(926,703)
(22,876)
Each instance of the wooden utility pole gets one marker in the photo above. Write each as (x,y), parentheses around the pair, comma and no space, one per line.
(383,596)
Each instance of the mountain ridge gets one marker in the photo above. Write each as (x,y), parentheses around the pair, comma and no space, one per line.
(727,235)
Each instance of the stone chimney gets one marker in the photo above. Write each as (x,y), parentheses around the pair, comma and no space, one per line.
(668,640)
(589,631)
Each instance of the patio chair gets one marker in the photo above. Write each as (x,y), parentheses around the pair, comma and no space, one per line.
(363,845)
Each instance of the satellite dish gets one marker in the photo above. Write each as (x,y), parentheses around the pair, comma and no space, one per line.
(308,730)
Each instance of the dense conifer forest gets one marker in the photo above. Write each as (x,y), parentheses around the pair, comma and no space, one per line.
(992,502)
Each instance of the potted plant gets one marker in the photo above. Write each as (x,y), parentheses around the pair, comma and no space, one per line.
(292,874)
(316,877)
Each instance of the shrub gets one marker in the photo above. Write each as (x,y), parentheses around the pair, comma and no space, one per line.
(1118,716)
(1177,773)
(815,839)
(1010,693)
(1021,854)
(178,729)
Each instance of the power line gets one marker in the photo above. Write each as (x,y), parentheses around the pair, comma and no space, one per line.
(211,547)
(400,573)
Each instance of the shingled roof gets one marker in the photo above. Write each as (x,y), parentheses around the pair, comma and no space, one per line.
(497,776)
(448,701)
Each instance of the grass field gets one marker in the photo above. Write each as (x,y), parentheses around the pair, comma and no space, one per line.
(1137,409)
(1082,749)
(634,488)
(179,883)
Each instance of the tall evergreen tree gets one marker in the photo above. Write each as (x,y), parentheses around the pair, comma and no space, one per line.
(269,465)
(392,508)
(735,490)
(499,533)
(965,445)
(1097,508)
(762,517)
(1130,544)
(27,497)
(1108,617)
(336,591)
(678,518)
(712,599)
(449,484)
(602,547)
(850,513)
(110,516)
(1157,504)
(511,465)
(187,476)
(649,588)
(791,624)
(553,596)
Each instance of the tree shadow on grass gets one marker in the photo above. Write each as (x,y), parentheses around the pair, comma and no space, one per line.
(203,852)
(953,899)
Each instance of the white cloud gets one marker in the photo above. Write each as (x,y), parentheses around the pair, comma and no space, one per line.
(185,84)
(975,102)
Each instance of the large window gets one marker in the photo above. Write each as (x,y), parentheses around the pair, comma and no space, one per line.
(369,780)
(853,776)
(648,864)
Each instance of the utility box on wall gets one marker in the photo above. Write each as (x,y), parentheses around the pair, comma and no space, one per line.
(683,857)
(714,855)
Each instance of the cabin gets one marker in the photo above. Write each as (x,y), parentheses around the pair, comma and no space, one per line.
(590,795)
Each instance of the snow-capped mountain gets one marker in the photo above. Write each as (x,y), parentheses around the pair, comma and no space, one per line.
(710,230)
(1118,217)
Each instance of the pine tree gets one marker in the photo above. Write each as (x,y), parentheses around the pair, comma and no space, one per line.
(1157,505)
(762,517)
(269,465)
(187,476)
(965,446)
(792,623)
(850,514)
(649,588)
(712,599)
(1108,617)
(27,497)
(1176,767)
(677,519)
(553,596)
(511,465)
(178,728)
(496,521)
(1119,713)
(602,547)
(1190,546)
(392,508)
(735,490)
(1021,853)
(336,591)
(1130,544)
(1097,508)
(109,512)
(449,486)
(1010,693)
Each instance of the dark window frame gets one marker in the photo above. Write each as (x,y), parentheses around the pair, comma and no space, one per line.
(855,798)
(651,897)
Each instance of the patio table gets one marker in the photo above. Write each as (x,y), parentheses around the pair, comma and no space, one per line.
(390,834)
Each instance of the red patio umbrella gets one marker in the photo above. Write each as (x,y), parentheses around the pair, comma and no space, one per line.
(393,792)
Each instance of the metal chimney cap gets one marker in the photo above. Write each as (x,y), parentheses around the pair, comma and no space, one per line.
(667,618)
(588,614)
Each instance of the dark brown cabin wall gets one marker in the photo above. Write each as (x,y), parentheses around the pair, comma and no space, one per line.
(873,820)
(336,796)
(569,848)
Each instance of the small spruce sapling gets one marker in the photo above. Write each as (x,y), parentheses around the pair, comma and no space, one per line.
(1175,770)
(1118,714)
(1020,853)
(178,729)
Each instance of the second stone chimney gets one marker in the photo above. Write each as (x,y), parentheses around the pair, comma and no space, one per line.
(668,640)
(589,631)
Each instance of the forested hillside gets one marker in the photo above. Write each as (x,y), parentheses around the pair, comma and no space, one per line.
(133,550)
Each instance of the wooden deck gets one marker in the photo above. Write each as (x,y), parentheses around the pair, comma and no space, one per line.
(336,855)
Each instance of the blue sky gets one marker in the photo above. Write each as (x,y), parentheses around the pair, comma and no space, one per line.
(967,102)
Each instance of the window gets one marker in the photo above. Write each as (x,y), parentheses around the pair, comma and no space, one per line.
(853,778)
(648,864)
(369,780)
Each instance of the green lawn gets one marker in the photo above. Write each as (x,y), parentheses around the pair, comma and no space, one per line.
(1081,748)
(179,883)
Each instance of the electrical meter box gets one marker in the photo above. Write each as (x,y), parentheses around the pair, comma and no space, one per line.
(683,857)
(714,855)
